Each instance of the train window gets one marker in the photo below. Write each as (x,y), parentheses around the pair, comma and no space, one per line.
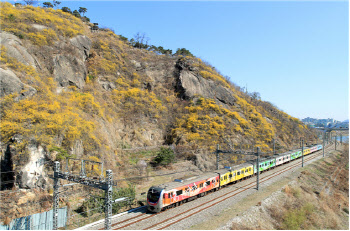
(208,182)
(194,187)
(201,185)
(238,173)
(242,172)
(230,175)
(246,170)
(213,181)
(234,174)
(225,177)
(222,178)
(165,195)
(178,192)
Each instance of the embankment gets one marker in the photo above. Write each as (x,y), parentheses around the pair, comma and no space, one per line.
(317,199)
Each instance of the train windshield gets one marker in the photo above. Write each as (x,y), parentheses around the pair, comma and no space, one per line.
(154,194)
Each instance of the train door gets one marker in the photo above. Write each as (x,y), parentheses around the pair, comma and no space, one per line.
(230,177)
(234,178)
(166,200)
(172,197)
(242,173)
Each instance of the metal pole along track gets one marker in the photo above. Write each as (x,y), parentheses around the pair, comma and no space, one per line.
(108,200)
(55,195)
(302,153)
(257,168)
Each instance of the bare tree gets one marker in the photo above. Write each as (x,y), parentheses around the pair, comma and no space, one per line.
(141,41)
(30,2)
(255,95)
(56,3)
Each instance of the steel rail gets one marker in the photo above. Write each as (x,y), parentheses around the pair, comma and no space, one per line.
(264,179)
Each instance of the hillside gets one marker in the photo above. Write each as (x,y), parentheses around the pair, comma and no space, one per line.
(69,92)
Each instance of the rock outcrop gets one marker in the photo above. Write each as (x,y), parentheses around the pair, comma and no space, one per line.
(33,174)
(68,67)
(83,44)
(14,48)
(69,71)
(189,84)
(10,84)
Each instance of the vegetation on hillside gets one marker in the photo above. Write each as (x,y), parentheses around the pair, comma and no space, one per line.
(48,117)
(317,199)
(20,20)
(59,119)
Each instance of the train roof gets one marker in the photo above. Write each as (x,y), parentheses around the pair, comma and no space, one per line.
(184,182)
(244,165)
(267,158)
(223,171)
(283,154)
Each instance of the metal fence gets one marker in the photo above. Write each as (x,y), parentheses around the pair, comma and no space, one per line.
(39,221)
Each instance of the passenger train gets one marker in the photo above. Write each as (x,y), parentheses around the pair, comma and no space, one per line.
(177,192)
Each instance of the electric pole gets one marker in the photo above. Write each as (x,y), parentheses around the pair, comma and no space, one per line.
(217,157)
(257,168)
(302,152)
(324,135)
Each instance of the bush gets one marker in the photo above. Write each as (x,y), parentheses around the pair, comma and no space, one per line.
(96,202)
(66,9)
(18,21)
(184,52)
(164,157)
(62,154)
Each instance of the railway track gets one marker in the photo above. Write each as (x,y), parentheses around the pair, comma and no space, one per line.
(178,217)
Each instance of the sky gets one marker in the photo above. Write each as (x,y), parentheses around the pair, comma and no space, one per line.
(294,53)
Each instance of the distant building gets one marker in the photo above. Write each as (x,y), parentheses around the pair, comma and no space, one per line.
(312,122)
(342,125)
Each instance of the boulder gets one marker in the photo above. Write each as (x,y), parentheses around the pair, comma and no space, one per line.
(39,27)
(136,64)
(15,49)
(32,174)
(10,83)
(106,84)
(69,71)
(83,44)
(189,85)
(77,149)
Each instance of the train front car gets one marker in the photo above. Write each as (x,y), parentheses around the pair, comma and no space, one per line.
(155,199)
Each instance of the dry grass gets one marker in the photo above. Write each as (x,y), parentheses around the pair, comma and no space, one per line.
(314,201)
(7,221)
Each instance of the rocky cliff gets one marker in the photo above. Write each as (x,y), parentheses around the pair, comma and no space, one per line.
(66,91)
